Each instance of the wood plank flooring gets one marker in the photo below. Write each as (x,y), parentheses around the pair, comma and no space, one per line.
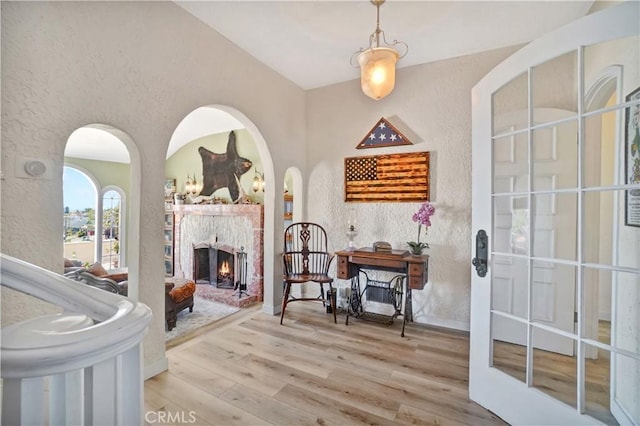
(249,370)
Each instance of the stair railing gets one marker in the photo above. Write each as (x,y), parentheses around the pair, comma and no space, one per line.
(79,367)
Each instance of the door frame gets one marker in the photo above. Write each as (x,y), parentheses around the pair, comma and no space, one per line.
(509,398)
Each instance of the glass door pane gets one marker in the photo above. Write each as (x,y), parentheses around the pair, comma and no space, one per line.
(562,117)
(555,84)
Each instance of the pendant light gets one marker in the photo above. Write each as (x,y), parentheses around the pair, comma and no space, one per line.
(378,61)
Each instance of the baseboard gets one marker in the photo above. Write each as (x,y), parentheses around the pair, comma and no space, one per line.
(156,368)
(271,309)
(442,322)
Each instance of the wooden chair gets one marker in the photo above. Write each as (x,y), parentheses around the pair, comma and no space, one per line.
(306,259)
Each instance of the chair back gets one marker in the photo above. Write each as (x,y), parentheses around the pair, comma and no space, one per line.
(305,249)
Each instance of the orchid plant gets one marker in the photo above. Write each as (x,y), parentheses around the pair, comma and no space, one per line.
(423,218)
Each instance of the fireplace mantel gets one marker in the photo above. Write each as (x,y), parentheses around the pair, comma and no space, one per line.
(251,210)
(253,228)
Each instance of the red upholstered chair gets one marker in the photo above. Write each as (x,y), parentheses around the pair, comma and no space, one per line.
(306,259)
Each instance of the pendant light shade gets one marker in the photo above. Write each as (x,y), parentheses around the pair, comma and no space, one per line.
(378,63)
(378,71)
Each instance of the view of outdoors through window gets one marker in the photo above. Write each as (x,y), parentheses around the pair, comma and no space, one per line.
(111,229)
(80,200)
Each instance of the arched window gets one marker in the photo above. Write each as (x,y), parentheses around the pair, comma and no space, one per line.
(112,227)
(93,226)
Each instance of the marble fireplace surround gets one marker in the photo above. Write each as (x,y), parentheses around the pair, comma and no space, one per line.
(234,225)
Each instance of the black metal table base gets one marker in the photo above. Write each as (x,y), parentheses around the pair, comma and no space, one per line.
(392,291)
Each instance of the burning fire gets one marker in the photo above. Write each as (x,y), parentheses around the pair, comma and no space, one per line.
(224,268)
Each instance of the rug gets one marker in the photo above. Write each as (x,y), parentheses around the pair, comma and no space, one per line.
(204,312)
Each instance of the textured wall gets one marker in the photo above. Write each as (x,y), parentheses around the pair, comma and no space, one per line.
(431,105)
(140,67)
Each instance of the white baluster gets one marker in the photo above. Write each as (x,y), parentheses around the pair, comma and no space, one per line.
(132,386)
(100,393)
(67,398)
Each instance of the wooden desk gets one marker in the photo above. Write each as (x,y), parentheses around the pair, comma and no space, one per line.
(414,268)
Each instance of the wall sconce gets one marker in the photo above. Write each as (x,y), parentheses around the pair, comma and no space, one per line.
(258,182)
(191,186)
(378,63)
(187,185)
(194,185)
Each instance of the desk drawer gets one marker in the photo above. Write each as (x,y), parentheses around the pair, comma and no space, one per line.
(343,268)
(416,268)
(368,261)
(416,282)
(418,275)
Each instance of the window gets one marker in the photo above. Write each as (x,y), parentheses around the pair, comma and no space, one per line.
(86,217)
(111,219)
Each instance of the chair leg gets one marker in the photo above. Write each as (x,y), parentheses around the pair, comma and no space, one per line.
(334,296)
(285,299)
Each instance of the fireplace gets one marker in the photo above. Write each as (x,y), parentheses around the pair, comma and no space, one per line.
(214,264)
(228,229)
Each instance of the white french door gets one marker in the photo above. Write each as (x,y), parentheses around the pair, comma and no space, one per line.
(555,322)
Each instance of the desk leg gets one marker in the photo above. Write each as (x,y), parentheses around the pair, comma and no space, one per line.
(354,307)
(408,307)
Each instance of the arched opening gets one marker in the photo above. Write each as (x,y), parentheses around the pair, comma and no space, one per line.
(293,186)
(110,158)
(205,133)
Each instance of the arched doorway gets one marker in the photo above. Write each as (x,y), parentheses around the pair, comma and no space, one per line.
(111,157)
(221,120)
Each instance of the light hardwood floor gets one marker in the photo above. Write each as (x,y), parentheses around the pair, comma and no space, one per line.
(249,370)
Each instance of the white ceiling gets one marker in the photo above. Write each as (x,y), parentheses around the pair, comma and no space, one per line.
(95,143)
(311,43)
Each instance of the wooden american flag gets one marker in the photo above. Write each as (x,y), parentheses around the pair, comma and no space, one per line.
(387,178)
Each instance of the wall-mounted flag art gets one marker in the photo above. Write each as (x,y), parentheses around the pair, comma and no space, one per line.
(383,134)
(387,178)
